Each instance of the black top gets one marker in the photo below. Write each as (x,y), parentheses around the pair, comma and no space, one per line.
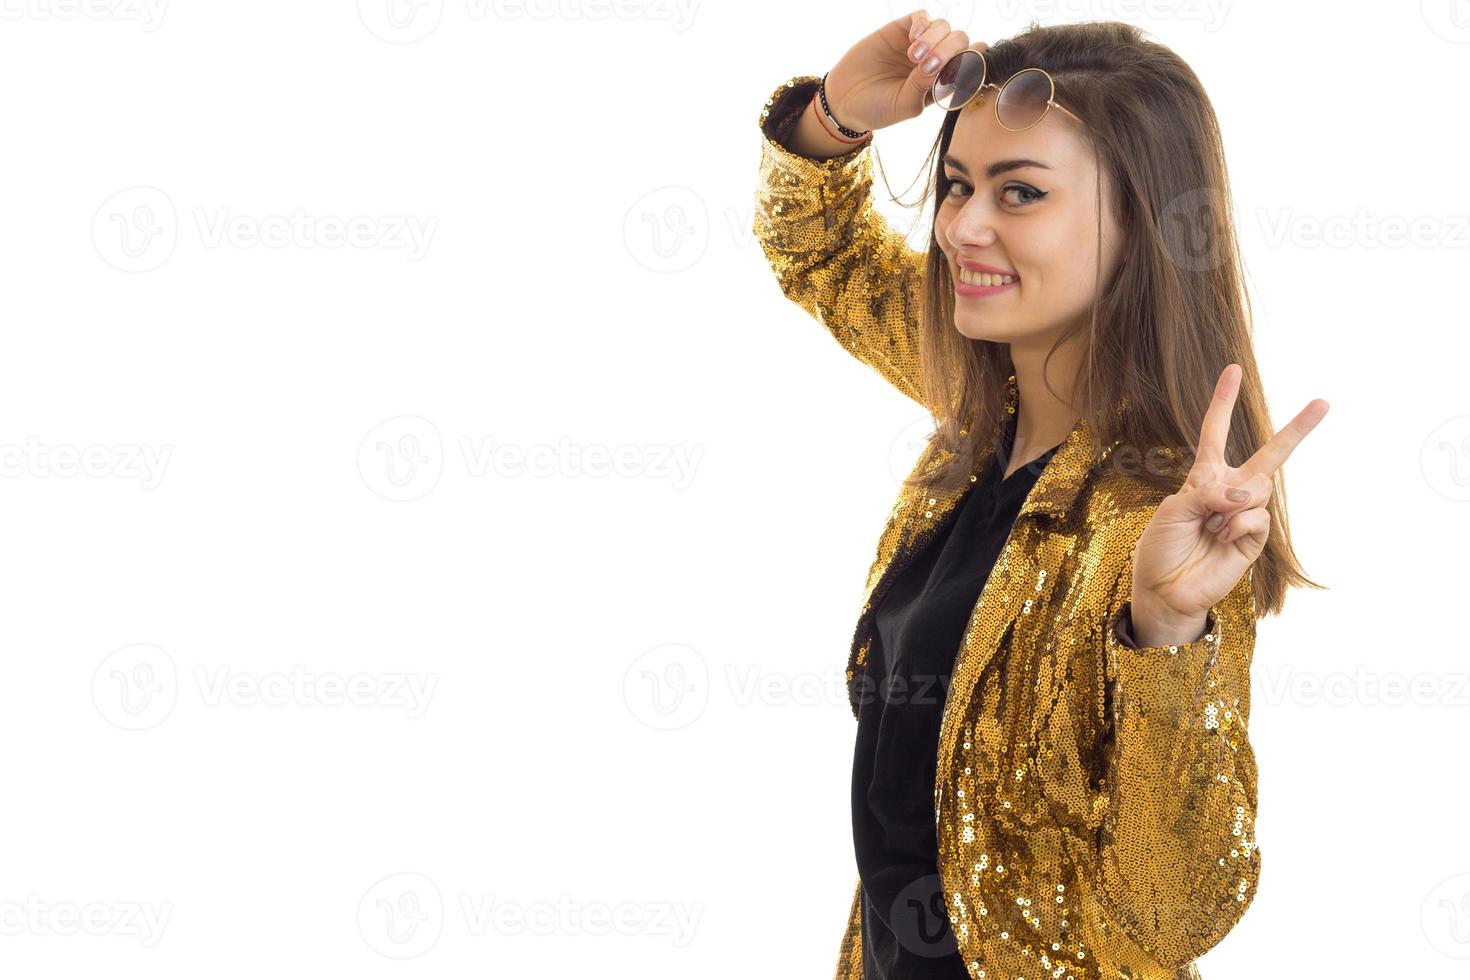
(920,622)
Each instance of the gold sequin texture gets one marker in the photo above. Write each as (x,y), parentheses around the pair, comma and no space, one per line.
(1095,803)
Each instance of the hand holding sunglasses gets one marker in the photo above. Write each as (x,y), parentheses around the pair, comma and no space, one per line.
(887,77)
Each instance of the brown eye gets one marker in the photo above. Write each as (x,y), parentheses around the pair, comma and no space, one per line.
(952,185)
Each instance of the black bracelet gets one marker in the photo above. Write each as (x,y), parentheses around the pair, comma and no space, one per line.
(851,134)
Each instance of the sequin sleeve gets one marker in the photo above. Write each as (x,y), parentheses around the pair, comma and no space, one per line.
(1178,862)
(834,254)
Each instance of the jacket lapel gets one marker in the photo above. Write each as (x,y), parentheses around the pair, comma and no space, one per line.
(1016,576)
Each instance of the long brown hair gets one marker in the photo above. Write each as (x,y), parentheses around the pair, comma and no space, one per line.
(1173,314)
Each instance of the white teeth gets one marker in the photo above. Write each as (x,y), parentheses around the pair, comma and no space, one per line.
(972,278)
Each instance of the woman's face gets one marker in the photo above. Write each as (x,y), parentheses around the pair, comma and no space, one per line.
(1025,204)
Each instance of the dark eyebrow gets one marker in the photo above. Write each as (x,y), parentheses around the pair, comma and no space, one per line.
(999,167)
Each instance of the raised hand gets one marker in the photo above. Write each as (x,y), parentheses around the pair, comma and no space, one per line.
(879,82)
(1202,539)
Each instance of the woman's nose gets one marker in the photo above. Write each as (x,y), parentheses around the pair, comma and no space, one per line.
(970,227)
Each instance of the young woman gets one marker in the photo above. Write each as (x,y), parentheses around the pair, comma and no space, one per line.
(1052,775)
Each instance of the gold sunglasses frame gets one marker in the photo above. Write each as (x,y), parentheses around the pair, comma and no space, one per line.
(985,83)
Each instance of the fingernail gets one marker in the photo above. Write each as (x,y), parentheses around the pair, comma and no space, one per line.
(919,52)
(1235,493)
(931,66)
(1214,522)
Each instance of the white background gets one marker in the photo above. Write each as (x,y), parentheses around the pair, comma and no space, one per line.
(311,462)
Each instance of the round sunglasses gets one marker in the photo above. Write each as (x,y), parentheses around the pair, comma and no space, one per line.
(1022,101)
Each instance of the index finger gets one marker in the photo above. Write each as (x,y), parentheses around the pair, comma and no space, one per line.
(1268,458)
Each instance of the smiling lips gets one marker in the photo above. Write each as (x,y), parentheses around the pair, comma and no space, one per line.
(979,279)
(972,278)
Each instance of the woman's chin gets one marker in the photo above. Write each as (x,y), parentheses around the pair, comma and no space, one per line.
(982,328)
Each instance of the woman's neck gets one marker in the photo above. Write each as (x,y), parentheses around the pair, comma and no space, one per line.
(1042,419)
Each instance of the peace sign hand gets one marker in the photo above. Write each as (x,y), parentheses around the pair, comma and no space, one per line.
(1202,539)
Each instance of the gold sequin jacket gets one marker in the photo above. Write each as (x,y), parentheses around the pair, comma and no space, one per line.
(1094,802)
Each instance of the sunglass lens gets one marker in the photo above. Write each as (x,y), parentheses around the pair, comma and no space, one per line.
(959,79)
(1023,99)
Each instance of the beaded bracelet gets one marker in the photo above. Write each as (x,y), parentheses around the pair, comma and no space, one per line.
(852,135)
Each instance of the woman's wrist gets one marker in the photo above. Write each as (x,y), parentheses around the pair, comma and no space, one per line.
(811,138)
(824,115)
(1152,627)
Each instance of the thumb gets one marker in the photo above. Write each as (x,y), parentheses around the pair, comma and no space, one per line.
(1186,506)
